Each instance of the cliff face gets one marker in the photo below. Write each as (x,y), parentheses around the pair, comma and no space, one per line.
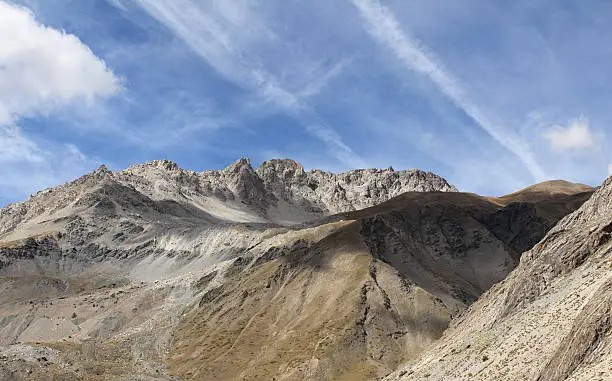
(550,319)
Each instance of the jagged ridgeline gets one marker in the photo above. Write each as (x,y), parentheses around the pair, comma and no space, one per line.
(156,272)
(279,191)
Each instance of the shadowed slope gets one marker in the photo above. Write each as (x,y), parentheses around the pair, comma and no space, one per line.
(456,245)
(548,320)
(318,310)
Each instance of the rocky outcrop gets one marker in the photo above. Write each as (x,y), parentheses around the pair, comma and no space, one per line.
(591,333)
(28,249)
(352,190)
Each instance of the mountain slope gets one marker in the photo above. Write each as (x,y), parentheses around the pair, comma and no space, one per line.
(550,319)
(322,309)
(376,289)
(460,244)
(159,273)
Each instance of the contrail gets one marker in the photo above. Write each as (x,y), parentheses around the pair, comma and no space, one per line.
(225,46)
(382,25)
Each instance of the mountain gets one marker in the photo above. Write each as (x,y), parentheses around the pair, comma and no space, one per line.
(160,273)
(370,289)
(549,320)
(278,191)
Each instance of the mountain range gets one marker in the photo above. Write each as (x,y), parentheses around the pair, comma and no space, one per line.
(277,273)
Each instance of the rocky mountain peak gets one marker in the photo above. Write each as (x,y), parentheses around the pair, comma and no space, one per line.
(98,175)
(154,166)
(280,171)
(242,166)
(167,165)
(244,183)
(279,190)
(281,165)
(101,170)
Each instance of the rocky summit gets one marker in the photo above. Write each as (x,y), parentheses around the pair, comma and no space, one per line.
(278,273)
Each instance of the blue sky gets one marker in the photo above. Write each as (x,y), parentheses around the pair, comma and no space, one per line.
(493,96)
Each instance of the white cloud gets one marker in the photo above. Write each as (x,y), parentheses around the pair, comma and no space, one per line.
(228,35)
(42,68)
(610,169)
(383,27)
(575,136)
(14,147)
(41,71)
(27,166)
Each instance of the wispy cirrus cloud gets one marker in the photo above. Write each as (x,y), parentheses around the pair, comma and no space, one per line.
(332,84)
(320,81)
(383,27)
(227,36)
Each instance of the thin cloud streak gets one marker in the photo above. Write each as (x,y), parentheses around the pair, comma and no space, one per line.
(318,84)
(227,46)
(382,25)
